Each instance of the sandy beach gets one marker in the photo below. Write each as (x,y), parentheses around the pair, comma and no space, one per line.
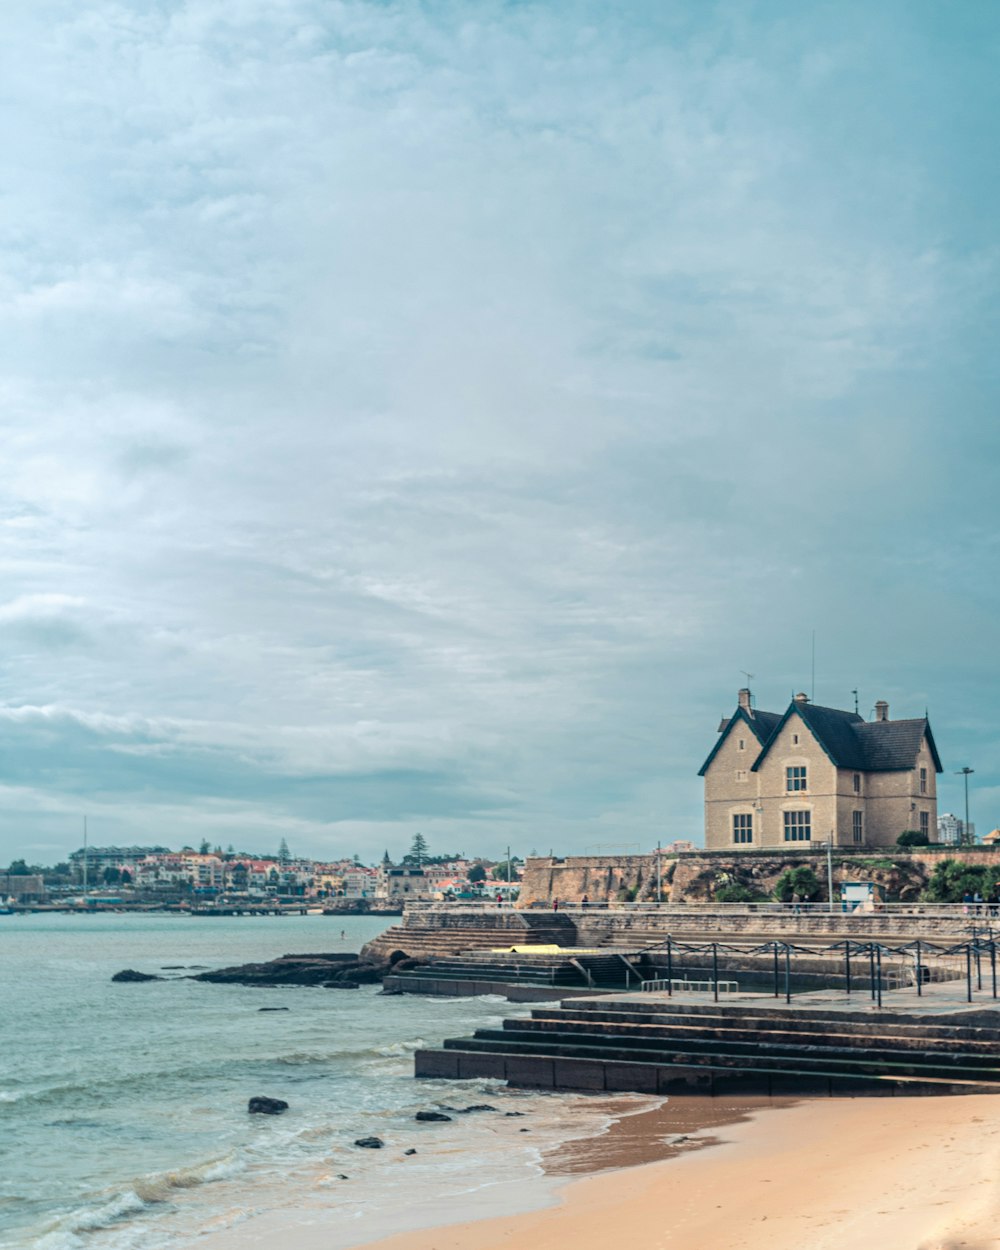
(851,1174)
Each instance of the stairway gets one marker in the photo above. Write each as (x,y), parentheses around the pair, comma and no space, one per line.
(653,1047)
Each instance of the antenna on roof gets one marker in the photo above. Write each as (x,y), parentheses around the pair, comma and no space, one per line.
(812,692)
(855,693)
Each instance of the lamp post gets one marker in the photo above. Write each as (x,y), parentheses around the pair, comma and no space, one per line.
(966,772)
(829,873)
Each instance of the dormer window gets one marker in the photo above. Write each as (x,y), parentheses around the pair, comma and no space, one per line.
(795,778)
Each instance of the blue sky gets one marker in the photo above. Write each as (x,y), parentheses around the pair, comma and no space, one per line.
(415,416)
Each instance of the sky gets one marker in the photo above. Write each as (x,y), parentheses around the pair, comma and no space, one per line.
(419,416)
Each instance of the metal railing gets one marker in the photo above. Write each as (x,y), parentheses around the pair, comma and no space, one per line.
(984,910)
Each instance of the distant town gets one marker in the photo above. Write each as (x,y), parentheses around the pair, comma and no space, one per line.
(156,874)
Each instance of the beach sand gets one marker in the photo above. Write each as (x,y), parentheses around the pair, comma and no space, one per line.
(835,1174)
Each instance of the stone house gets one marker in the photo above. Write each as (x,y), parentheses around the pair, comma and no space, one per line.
(818,774)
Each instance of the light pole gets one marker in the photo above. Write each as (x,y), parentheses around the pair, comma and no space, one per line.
(966,772)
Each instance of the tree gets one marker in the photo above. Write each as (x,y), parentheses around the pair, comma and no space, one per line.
(951,880)
(126,877)
(913,837)
(418,850)
(477,873)
(112,875)
(500,872)
(204,848)
(736,892)
(284,854)
(18,868)
(801,881)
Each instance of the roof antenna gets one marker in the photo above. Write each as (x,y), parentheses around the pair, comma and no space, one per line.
(812,694)
(855,693)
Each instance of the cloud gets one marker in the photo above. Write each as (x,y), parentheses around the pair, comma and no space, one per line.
(421,415)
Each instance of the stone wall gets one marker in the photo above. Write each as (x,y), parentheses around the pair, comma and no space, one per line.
(695,877)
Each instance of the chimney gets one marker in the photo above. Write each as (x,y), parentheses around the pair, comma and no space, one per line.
(801,698)
(881,710)
(744,701)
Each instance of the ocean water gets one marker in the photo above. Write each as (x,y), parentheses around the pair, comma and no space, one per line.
(123,1118)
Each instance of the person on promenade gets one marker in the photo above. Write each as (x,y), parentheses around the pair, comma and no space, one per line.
(555,904)
(584,901)
(499,899)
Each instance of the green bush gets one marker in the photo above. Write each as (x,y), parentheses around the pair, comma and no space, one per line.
(801,881)
(737,893)
(913,837)
(951,879)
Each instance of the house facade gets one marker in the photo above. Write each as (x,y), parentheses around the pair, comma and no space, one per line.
(817,774)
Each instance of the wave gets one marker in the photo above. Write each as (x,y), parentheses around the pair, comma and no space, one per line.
(11,1095)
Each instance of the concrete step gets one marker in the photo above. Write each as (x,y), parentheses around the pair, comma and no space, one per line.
(762,1060)
(646,1037)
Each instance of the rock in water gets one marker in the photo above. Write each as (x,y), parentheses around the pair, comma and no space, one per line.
(411,1151)
(370,1143)
(432,1117)
(130,974)
(267,1106)
(479,1106)
(272,1008)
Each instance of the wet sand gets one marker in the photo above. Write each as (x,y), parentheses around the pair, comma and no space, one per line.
(836,1174)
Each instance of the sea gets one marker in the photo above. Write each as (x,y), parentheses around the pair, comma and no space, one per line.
(123,1106)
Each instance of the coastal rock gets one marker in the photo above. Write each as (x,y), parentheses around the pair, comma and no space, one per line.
(482,1106)
(432,1117)
(310,969)
(130,974)
(266,1106)
(272,1009)
(370,1143)
(341,985)
(513,1113)
(411,1151)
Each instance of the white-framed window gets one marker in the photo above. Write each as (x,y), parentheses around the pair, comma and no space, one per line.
(923,781)
(798,826)
(742,827)
(857,783)
(925,823)
(858,826)
(795,778)
(742,774)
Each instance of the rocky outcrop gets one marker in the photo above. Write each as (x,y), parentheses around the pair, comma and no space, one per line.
(370,1143)
(432,1117)
(130,974)
(326,970)
(262,1105)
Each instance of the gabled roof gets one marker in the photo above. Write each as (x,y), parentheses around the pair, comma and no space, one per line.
(761,724)
(850,742)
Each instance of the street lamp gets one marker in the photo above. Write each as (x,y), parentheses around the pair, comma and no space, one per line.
(966,772)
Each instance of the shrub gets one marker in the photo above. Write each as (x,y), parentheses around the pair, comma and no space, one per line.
(737,893)
(913,837)
(951,879)
(801,881)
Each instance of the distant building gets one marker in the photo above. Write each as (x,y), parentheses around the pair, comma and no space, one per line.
(950,829)
(21,887)
(816,774)
(100,857)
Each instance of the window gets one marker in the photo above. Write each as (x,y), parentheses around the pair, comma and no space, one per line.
(798,826)
(795,778)
(925,824)
(742,774)
(923,781)
(742,827)
(858,826)
(743,744)
(795,740)
(857,783)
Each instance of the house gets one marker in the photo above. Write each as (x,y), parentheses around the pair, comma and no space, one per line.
(818,774)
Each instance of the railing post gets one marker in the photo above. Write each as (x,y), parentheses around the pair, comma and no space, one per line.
(847,965)
(776,970)
(979,967)
(670,968)
(968,973)
(871,968)
(920,973)
(788,973)
(715,970)
(878,960)
(993,964)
